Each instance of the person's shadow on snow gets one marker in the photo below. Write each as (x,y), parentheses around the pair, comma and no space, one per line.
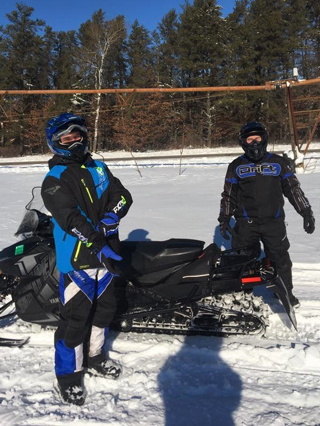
(138,235)
(198,388)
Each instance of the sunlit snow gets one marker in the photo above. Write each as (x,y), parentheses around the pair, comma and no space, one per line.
(176,380)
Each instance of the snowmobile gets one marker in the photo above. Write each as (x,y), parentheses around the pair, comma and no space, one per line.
(176,286)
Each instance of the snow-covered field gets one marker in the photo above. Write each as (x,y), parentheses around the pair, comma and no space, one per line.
(173,380)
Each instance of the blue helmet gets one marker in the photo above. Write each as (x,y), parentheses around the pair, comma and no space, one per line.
(62,125)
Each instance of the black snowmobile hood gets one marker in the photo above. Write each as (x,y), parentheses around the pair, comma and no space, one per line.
(64,161)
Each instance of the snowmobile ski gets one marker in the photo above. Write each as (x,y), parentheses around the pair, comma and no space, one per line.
(4,308)
(11,343)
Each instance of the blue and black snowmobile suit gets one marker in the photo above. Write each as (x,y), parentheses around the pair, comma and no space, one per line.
(78,194)
(254,194)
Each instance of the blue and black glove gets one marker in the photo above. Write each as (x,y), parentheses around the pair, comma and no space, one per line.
(309,222)
(109,224)
(106,256)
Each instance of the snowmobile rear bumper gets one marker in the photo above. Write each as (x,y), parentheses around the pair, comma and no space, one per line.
(249,274)
(278,287)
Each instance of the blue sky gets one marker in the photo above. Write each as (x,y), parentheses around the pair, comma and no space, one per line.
(64,15)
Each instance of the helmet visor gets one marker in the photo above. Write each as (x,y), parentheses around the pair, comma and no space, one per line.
(72,128)
(72,137)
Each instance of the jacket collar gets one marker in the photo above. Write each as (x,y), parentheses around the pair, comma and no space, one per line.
(264,158)
(64,161)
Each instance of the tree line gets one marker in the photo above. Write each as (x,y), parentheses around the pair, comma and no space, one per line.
(261,40)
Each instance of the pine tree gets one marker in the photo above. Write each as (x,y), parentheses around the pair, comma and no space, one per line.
(140,57)
(21,44)
(166,51)
(312,61)
(269,39)
(201,60)
(239,69)
(45,60)
(202,47)
(22,47)
(65,62)
(298,34)
(3,59)
(64,70)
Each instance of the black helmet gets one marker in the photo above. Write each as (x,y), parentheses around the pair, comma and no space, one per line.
(255,150)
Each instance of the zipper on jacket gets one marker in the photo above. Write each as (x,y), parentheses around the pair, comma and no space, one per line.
(87,189)
(77,251)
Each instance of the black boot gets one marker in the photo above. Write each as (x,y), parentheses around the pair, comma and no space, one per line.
(70,389)
(101,366)
(286,275)
(294,301)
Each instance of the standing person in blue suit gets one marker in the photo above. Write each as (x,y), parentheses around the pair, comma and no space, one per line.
(254,190)
(87,203)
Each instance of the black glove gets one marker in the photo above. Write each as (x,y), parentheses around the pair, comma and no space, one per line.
(225,226)
(308,221)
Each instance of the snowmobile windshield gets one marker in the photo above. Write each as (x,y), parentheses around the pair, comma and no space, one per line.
(35,217)
(28,224)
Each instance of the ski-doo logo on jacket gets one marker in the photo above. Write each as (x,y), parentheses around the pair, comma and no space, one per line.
(265,169)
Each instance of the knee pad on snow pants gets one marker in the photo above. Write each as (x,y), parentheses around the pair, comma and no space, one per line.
(277,246)
(87,308)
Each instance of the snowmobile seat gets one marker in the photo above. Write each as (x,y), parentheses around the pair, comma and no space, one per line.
(145,257)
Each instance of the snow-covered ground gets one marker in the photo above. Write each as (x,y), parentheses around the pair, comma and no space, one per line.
(175,380)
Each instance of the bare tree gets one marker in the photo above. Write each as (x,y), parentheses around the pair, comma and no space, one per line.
(99,38)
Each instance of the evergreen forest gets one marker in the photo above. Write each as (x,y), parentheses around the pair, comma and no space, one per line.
(195,46)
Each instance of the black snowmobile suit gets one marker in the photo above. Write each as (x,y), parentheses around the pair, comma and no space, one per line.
(78,194)
(254,190)
(253,194)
